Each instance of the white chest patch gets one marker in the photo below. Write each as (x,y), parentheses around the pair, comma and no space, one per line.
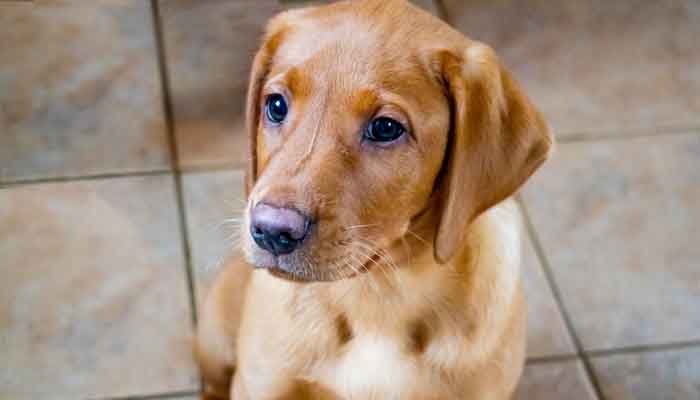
(371,367)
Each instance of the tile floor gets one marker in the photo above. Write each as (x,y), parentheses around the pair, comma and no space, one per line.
(120,157)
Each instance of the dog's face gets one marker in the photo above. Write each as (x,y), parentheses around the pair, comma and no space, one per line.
(351,110)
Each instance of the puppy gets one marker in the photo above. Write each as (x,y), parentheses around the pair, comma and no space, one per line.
(380,249)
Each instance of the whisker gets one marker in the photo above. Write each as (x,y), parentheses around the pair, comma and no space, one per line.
(418,237)
(376,251)
(359,226)
(309,271)
(369,252)
(352,266)
(236,234)
(369,279)
(408,251)
(369,257)
(390,263)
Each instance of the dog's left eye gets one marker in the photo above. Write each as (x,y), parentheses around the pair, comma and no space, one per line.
(384,129)
(276,108)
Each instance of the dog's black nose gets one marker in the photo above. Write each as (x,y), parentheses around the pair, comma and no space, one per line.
(278,230)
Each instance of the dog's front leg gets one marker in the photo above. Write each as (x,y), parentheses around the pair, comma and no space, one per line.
(217,329)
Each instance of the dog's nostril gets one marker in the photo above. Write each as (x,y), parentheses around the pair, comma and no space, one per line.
(278,230)
(285,238)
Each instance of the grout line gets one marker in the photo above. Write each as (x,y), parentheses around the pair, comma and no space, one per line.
(174,155)
(650,348)
(200,169)
(61,179)
(155,396)
(609,135)
(588,367)
(551,359)
(197,169)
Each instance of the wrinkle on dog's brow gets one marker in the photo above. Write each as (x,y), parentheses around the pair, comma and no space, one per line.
(317,129)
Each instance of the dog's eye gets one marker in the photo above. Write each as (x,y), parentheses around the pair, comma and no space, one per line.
(384,129)
(276,108)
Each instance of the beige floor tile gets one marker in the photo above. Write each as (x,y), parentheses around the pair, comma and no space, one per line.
(209,48)
(93,299)
(546,332)
(664,375)
(597,66)
(555,381)
(212,200)
(619,222)
(79,90)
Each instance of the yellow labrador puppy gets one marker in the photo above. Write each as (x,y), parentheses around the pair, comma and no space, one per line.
(380,255)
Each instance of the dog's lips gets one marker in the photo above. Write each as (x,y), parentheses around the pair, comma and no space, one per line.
(280,273)
(275,265)
(312,276)
(287,267)
(264,261)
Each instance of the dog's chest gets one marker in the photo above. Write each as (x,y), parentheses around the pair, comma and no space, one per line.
(374,366)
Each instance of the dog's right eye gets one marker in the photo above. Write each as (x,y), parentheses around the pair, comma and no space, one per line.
(384,130)
(276,108)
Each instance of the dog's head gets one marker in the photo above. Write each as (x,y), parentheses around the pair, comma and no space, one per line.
(366,115)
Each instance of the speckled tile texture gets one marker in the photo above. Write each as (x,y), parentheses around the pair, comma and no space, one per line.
(555,381)
(209,47)
(215,202)
(663,375)
(79,90)
(619,223)
(546,332)
(596,67)
(93,297)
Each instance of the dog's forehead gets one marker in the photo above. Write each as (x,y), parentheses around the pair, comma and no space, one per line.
(387,48)
(355,34)
(350,57)
(345,47)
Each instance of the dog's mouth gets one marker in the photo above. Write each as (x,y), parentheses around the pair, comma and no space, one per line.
(341,269)
(331,259)
(282,274)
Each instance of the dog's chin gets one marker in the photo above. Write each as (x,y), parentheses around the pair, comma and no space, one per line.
(283,267)
(288,276)
(290,268)
(261,259)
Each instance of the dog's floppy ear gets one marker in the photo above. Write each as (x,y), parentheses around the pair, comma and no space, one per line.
(497,140)
(259,71)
